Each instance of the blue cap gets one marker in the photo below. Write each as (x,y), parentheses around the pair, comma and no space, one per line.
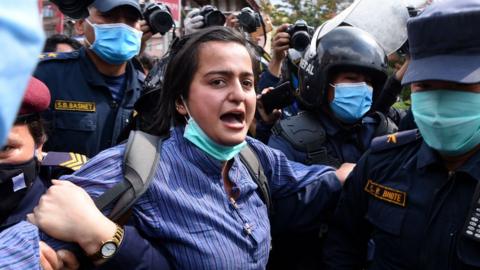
(445,43)
(107,5)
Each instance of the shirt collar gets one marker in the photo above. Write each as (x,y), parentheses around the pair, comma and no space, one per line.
(204,161)
(94,77)
(428,156)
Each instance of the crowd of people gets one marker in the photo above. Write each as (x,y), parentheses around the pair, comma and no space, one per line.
(112,163)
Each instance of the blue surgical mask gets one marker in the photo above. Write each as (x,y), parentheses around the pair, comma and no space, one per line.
(352,101)
(116,43)
(448,120)
(194,133)
(22,37)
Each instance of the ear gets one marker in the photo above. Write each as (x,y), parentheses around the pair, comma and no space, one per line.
(180,107)
(38,151)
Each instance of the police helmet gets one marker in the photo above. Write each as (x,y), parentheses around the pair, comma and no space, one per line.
(344,48)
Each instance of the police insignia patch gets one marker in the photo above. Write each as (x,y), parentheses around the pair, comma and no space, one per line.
(65,105)
(76,161)
(386,193)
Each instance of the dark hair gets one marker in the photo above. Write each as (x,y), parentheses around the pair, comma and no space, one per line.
(181,69)
(52,42)
(36,127)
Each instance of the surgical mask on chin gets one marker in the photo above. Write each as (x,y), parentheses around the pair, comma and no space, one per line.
(194,133)
(15,179)
(352,101)
(115,43)
(448,120)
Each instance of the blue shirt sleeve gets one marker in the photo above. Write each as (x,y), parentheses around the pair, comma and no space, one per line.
(303,196)
(98,175)
(19,247)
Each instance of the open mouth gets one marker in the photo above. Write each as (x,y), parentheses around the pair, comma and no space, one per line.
(233,117)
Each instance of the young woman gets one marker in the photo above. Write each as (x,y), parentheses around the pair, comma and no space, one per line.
(202,210)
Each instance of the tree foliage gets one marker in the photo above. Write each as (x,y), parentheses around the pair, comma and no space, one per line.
(314,12)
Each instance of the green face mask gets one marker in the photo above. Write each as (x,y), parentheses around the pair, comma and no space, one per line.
(194,133)
(448,120)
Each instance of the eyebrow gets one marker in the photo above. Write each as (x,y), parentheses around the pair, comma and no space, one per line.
(227,73)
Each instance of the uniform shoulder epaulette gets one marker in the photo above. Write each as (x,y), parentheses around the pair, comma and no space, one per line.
(394,140)
(49,56)
(68,160)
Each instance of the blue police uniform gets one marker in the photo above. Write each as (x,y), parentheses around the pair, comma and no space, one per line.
(339,145)
(84,116)
(401,195)
(53,166)
(311,139)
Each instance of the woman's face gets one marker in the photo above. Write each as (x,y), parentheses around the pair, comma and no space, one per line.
(19,147)
(222,95)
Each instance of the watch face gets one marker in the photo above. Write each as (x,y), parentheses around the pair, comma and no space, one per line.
(108,249)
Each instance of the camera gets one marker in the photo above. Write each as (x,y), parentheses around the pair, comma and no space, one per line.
(76,9)
(212,16)
(158,17)
(300,35)
(249,20)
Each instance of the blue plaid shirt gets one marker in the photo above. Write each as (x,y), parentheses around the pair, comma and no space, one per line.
(187,211)
(19,248)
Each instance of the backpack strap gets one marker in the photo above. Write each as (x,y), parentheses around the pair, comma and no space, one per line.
(251,161)
(142,153)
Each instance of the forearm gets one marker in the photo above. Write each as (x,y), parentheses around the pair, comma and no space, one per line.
(388,96)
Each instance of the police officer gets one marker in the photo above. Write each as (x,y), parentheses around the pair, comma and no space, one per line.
(93,90)
(340,76)
(417,193)
(21,184)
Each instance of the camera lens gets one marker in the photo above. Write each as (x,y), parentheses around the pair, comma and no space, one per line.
(73,8)
(161,22)
(300,40)
(215,18)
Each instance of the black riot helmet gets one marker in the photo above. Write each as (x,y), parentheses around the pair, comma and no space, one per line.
(344,48)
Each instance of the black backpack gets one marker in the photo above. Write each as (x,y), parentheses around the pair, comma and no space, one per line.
(142,153)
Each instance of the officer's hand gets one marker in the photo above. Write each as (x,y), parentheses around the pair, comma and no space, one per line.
(280,45)
(193,21)
(147,34)
(401,71)
(344,170)
(271,118)
(66,212)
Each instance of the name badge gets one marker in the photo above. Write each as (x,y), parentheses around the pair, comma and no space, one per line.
(386,193)
(77,106)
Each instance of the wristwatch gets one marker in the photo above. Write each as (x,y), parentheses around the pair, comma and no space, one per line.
(109,247)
